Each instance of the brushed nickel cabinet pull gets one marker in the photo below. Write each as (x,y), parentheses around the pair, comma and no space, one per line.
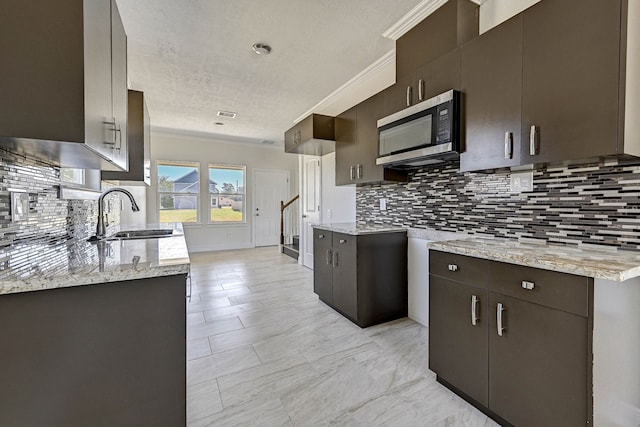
(528,285)
(508,145)
(359,171)
(409,90)
(474,310)
(420,90)
(499,319)
(453,267)
(533,141)
(352,172)
(329,257)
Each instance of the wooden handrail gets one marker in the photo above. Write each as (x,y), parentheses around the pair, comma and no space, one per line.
(283,206)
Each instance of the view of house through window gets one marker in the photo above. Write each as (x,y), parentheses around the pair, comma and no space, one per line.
(178,186)
(226,192)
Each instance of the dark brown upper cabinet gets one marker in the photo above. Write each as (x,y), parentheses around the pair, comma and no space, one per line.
(314,135)
(138,143)
(575,96)
(571,75)
(451,25)
(427,56)
(357,145)
(491,87)
(63,87)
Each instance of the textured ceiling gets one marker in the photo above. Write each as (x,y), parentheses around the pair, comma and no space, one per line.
(192,58)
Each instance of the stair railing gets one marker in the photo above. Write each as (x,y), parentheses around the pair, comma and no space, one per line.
(288,221)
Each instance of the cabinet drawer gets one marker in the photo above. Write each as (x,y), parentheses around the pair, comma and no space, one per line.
(561,291)
(344,242)
(460,268)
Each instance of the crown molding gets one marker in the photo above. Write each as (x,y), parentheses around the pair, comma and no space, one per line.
(412,18)
(389,57)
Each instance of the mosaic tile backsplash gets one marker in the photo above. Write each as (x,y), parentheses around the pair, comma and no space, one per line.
(49,217)
(597,203)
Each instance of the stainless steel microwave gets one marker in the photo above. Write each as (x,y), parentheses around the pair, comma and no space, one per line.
(425,133)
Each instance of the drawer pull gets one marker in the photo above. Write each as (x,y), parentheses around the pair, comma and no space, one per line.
(343,241)
(329,257)
(474,310)
(499,318)
(335,259)
(528,285)
(320,236)
(453,267)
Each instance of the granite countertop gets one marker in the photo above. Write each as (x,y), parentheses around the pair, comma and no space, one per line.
(610,264)
(358,229)
(40,265)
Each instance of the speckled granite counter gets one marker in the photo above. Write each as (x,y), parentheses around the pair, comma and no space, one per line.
(356,230)
(593,262)
(37,266)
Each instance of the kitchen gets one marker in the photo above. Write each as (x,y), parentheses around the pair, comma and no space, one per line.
(589,205)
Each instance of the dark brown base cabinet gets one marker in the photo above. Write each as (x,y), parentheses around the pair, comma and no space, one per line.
(514,341)
(111,354)
(363,277)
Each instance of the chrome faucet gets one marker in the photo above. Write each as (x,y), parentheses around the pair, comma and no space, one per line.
(100,227)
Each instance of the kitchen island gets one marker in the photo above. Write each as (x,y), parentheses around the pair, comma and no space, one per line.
(93,333)
(581,299)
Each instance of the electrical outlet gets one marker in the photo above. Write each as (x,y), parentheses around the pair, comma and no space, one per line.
(19,206)
(520,182)
(383,204)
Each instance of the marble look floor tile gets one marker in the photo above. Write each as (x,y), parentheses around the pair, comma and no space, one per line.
(266,412)
(203,400)
(242,337)
(215,327)
(273,379)
(198,348)
(195,318)
(219,364)
(279,356)
(233,310)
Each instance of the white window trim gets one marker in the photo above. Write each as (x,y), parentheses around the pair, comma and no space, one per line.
(244,195)
(159,193)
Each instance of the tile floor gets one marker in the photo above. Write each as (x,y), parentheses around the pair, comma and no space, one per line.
(262,350)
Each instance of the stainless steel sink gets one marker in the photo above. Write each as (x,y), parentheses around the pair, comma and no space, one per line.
(141,234)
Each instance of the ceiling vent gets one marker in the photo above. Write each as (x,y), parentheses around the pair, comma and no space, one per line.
(227,114)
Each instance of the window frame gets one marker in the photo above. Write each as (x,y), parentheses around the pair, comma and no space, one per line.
(243,168)
(160,193)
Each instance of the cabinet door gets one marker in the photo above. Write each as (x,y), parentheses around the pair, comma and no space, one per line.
(369,112)
(396,97)
(440,75)
(346,150)
(322,265)
(458,349)
(571,57)
(491,87)
(99,129)
(345,286)
(119,86)
(538,367)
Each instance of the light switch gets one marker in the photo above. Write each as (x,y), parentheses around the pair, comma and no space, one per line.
(19,206)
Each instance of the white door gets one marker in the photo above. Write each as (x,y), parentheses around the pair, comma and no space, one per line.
(270,187)
(311,186)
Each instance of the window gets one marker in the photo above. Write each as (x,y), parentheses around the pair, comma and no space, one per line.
(226,193)
(72,176)
(178,188)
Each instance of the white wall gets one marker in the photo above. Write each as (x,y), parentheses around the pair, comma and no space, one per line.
(203,236)
(338,202)
(493,12)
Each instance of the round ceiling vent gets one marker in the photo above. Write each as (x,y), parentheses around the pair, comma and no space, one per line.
(261,49)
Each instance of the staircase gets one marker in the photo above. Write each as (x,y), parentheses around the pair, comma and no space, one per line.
(289,234)
(292,249)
